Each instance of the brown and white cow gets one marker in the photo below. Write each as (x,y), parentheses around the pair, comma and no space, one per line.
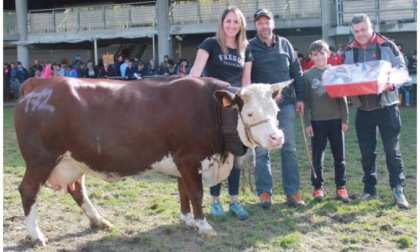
(69,127)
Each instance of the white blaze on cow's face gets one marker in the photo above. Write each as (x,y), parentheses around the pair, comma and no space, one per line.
(259,125)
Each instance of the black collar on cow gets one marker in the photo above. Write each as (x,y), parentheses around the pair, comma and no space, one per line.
(230,134)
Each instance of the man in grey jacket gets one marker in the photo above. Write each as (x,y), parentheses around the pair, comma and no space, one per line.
(275,61)
(377,111)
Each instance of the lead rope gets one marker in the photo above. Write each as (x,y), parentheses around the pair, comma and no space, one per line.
(306,145)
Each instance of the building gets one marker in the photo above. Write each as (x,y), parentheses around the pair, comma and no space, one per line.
(52,30)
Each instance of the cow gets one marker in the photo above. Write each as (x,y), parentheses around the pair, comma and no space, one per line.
(109,129)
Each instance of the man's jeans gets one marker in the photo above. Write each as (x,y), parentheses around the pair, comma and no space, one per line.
(388,121)
(289,161)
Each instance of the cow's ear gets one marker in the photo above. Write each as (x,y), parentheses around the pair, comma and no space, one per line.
(224,98)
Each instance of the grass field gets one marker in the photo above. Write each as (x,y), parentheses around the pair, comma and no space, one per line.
(144,210)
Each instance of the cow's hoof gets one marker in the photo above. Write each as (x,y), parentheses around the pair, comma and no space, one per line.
(39,242)
(207,233)
(204,227)
(187,219)
(100,224)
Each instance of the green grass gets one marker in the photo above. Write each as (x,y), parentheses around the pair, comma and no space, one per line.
(144,209)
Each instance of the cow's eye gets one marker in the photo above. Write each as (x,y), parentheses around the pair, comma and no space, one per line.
(250,115)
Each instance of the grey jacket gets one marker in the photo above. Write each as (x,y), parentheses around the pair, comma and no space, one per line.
(388,51)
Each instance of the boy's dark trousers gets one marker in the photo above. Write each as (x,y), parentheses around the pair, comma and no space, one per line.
(328,130)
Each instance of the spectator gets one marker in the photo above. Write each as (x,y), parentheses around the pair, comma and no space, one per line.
(56,68)
(152,69)
(377,112)
(6,82)
(412,62)
(183,68)
(303,62)
(77,66)
(106,72)
(163,68)
(170,65)
(325,120)
(47,71)
(335,59)
(117,64)
(230,41)
(130,70)
(12,78)
(276,61)
(123,67)
(340,50)
(412,69)
(21,74)
(36,68)
(90,71)
(401,49)
(71,72)
(62,70)
(141,70)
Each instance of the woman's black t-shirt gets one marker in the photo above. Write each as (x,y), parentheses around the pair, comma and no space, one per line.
(228,67)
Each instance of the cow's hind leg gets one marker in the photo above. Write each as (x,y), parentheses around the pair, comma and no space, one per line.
(80,196)
(29,189)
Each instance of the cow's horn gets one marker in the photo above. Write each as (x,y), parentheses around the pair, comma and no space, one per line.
(279,86)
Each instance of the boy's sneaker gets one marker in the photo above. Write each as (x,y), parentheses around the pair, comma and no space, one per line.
(342,194)
(216,209)
(366,196)
(318,194)
(295,200)
(265,200)
(235,208)
(399,197)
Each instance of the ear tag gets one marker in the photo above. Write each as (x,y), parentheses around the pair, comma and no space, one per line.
(226,102)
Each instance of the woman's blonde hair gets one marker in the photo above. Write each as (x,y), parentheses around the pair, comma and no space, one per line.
(241,40)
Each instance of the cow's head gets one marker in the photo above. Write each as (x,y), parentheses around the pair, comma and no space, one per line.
(257,121)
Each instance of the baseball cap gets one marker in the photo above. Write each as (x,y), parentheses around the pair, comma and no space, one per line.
(263,12)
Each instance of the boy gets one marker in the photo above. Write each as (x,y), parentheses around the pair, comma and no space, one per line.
(325,119)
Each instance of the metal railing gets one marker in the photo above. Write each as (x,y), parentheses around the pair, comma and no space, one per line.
(123,16)
(378,10)
(90,18)
(201,12)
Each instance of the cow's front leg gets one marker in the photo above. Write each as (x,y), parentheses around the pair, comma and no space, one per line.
(80,196)
(185,216)
(191,190)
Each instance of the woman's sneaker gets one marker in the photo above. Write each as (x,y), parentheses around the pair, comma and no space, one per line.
(216,209)
(235,208)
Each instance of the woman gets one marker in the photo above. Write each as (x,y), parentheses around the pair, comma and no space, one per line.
(226,57)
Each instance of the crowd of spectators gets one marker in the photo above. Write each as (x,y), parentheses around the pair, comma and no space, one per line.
(124,68)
